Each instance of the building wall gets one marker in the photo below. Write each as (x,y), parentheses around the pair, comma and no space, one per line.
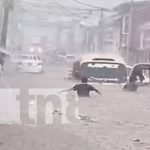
(116,40)
(1,15)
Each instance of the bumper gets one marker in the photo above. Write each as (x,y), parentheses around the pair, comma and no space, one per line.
(34,69)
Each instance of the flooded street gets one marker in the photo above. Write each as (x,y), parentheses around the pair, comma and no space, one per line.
(74,75)
(114,121)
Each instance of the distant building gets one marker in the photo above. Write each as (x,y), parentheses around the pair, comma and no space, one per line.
(139,46)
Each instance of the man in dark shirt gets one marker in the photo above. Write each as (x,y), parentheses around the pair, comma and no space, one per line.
(83,89)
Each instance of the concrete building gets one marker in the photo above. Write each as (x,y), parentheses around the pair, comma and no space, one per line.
(139,45)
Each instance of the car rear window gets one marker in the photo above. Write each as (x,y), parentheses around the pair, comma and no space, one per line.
(38,58)
(29,57)
(35,58)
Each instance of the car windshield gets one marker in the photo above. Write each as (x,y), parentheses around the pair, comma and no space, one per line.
(62,53)
(106,71)
(70,57)
(26,57)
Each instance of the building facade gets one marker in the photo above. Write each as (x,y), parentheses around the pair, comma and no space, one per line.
(137,49)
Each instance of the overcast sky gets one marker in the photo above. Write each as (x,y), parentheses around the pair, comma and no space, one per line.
(101,3)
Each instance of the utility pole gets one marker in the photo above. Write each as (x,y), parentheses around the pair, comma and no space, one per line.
(101,25)
(101,22)
(3,39)
(130,30)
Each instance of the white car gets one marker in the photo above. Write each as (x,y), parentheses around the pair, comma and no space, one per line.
(29,63)
(100,69)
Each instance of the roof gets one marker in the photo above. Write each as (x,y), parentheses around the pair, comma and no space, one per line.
(102,58)
(142,65)
(27,55)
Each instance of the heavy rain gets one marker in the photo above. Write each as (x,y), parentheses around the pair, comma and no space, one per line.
(74,74)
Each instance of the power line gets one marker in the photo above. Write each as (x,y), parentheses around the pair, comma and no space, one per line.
(53,8)
(95,7)
(77,9)
(85,4)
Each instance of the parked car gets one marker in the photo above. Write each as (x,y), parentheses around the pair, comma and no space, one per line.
(29,63)
(101,69)
(139,76)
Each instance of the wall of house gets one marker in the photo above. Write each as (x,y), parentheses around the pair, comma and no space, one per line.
(116,40)
(1,14)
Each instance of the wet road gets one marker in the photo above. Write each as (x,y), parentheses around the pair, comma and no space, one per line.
(115,121)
